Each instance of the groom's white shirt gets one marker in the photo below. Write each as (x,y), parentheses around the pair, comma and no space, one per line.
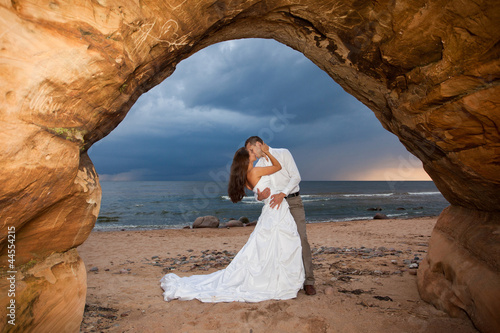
(288,178)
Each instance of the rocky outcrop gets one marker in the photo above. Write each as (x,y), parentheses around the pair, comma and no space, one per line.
(461,273)
(429,70)
(49,294)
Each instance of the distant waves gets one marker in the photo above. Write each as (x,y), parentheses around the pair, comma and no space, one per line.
(160,205)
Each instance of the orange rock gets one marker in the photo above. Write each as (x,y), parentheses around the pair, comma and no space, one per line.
(70,73)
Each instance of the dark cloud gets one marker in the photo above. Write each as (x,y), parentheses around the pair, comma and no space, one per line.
(188,127)
(252,75)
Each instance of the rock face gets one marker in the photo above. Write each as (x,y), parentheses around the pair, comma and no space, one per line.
(46,289)
(69,73)
(460,273)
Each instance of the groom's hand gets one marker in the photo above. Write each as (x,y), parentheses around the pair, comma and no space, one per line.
(276,200)
(264,194)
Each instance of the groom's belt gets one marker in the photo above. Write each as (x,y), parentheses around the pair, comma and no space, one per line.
(291,195)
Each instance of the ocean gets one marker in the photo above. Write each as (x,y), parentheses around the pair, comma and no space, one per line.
(147,205)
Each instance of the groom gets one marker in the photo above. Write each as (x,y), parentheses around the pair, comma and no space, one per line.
(286,181)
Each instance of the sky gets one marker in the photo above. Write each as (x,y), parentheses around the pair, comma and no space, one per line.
(189,126)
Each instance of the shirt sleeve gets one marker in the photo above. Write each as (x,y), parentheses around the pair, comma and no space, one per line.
(293,171)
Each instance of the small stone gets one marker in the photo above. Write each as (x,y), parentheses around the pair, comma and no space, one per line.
(94,269)
(413,272)
(394,262)
(329,291)
(413,266)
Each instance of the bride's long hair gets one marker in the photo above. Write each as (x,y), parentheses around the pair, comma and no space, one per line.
(238,176)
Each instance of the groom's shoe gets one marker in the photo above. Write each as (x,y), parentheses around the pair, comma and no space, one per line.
(309,289)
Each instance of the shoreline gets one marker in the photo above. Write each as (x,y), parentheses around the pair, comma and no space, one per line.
(362,272)
(221,226)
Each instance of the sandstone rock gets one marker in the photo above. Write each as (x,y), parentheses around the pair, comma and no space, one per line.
(59,283)
(463,265)
(71,73)
(206,222)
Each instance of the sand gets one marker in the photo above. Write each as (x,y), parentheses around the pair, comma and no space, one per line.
(363,282)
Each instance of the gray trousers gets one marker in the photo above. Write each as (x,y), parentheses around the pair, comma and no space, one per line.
(297,210)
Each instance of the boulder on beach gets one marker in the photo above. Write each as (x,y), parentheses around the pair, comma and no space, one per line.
(380,216)
(234,223)
(206,222)
(374,209)
(244,219)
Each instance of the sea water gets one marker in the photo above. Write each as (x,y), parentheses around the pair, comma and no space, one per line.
(175,204)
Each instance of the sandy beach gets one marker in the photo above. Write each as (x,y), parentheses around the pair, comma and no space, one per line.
(363,273)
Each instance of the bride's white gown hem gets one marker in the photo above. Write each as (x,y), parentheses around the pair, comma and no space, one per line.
(269,266)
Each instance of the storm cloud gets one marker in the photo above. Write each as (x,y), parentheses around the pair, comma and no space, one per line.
(189,126)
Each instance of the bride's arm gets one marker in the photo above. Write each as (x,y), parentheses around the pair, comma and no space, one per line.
(264,171)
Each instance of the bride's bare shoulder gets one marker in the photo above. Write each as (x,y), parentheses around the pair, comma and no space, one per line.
(252,178)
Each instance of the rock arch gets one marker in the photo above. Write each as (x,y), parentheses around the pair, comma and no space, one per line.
(70,72)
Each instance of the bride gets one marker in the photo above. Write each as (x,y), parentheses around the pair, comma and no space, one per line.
(269,266)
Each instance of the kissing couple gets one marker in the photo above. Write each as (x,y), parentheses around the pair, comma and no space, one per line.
(275,263)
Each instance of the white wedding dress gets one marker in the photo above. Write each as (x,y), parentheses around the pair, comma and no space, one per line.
(269,266)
